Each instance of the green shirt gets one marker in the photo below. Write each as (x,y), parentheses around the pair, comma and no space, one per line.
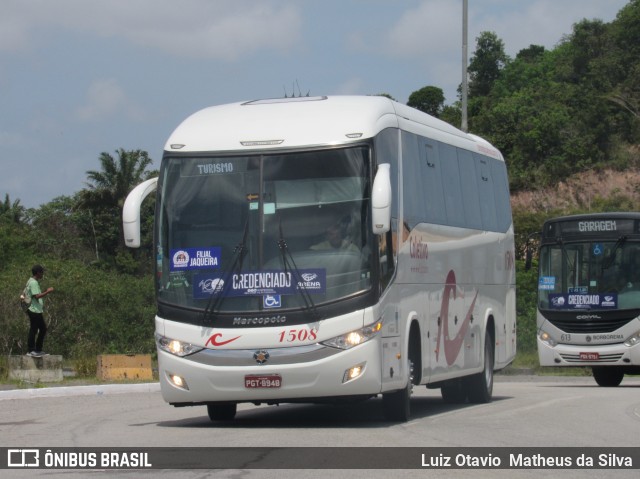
(37,304)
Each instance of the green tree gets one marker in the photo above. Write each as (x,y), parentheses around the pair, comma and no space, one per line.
(485,64)
(15,240)
(107,190)
(624,60)
(62,229)
(452,114)
(429,99)
(12,212)
(111,185)
(532,53)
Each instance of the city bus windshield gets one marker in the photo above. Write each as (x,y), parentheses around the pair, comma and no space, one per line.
(264,232)
(590,275)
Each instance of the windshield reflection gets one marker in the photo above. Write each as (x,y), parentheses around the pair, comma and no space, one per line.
(264,232)
(590,275)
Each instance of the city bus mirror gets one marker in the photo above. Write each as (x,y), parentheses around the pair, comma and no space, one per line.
(529,251)
(381,200)
(528,258)
(131,212)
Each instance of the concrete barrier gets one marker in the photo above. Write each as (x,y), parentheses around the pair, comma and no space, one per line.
(124,366)
(46,369)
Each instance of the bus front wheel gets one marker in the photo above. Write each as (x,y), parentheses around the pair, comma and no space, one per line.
(397,405)
(480,386)
(607,376)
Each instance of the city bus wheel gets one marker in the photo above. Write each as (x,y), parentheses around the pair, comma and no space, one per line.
(607,376)
(222,412)
(480,386)
(397,405)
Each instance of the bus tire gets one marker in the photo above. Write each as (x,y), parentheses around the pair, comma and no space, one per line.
(608,377)
(396,405)
(480,386)
(222,412)
(454,392)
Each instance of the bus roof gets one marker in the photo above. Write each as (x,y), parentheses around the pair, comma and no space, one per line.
(307,122)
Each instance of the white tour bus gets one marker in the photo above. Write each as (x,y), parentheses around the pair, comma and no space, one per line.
(316,249)
(589,294)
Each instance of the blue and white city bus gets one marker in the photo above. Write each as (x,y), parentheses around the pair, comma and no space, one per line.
(589,294)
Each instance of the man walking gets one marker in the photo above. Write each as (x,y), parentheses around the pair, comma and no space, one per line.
(38,328)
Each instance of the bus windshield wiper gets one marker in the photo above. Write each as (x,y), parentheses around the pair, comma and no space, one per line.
(218,294)
(612,257)
(565,253)
(290,265)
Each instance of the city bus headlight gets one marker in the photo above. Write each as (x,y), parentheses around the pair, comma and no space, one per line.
(546,338)
(178,348)
(354,338)
(633,340)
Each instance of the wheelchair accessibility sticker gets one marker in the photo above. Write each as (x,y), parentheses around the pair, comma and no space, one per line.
(271,301)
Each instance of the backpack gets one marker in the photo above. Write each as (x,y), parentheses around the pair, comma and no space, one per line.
(25,298)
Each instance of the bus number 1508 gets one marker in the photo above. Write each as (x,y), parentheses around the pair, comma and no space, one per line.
(298,335)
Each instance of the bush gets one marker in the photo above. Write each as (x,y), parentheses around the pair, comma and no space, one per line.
(90,312)
(526,307)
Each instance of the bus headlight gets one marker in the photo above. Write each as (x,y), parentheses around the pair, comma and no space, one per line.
(354,338)
(633,340)
(546,338)
(178,348)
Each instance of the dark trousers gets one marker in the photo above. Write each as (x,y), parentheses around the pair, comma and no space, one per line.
(37,331)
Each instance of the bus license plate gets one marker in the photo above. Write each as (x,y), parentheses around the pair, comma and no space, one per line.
(263,381)
(589,356)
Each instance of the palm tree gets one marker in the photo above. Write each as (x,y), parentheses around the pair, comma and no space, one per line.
(12,211)
(111,186)
(107,190)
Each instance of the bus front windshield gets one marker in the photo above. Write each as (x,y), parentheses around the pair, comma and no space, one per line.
(264,232)
(594,275)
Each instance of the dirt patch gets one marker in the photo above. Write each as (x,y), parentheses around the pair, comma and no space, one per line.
(580,191)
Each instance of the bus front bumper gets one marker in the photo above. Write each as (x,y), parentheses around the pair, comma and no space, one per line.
(270,376)
(589,355)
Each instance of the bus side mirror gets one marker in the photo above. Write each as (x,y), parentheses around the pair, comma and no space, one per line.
(529,251)
(528,258)
(381,200)
(131,211)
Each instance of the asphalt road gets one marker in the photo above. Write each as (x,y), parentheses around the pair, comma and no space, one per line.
(527,411)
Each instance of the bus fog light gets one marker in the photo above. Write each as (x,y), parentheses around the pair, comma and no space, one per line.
(353,373)
(633,340)
(546,338)
(178,381)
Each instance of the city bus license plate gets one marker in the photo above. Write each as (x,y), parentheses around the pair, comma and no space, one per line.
(589,356)
(263,381)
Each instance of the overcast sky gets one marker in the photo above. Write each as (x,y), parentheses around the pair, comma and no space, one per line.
(81,77)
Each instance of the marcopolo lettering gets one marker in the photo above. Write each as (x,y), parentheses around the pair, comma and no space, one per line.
(257,321)
(596,226)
